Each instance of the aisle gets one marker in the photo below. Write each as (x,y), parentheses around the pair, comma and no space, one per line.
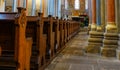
(73,57)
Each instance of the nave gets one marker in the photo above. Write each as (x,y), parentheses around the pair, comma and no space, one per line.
(73,57)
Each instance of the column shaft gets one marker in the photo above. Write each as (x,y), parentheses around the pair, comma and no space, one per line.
(93,27)
(103,14)
(111,25)
(98,10)
(110,42)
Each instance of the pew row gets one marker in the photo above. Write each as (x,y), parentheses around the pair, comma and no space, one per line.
(15,47)
(35,30)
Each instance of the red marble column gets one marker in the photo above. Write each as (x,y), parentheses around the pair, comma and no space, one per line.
(110,41)
(94,11)
(93,15)
(111,25)
(110,10)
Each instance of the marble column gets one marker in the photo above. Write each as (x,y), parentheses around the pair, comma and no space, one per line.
(111,25)
(96,35)
(118,21)
(93,26)
(59,8)
(90,15)
(103,14)
(98,15)
(110,42)
(33,7)
(29,7)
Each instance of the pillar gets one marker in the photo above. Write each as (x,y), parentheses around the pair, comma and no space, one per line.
(93,26)
(103,14)
(110,42)
(41,5)
(33,7)
(111,25)
(118,24)
(29,7)
(45,8)
(90,15)
(96,35)
(59,8)
(37,7)
(98,15)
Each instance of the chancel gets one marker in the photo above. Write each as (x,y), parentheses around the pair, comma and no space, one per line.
(59,35)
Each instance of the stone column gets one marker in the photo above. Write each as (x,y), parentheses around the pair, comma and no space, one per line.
(96,34)
(93,26)
(90,15)
(29,7)
(103,15)
(98,15)
(111,34)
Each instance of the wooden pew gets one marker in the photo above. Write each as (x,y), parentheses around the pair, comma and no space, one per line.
(16,49)
(68,30)
(57,36)
(61,33)
(35,30)
(47,29)
(65,30)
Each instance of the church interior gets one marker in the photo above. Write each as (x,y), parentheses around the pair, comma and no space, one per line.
(59,35)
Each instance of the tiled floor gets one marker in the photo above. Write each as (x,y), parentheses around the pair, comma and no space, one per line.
(73,57)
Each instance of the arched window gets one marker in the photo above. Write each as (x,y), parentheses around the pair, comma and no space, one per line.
(77,4)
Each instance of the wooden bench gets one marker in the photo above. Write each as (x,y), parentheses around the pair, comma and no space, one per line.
(65,30)
(56,30)
(47,29)
(35,30)
(15,47)
(61,33)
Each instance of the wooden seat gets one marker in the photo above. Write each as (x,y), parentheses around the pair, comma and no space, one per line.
(56,31)
(34,29)
(47,29)
(65,30)
(61,33)
(15,47)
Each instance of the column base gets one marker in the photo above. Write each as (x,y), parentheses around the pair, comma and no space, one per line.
(95,42)
(92,49)
(108,52)
(110,45)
